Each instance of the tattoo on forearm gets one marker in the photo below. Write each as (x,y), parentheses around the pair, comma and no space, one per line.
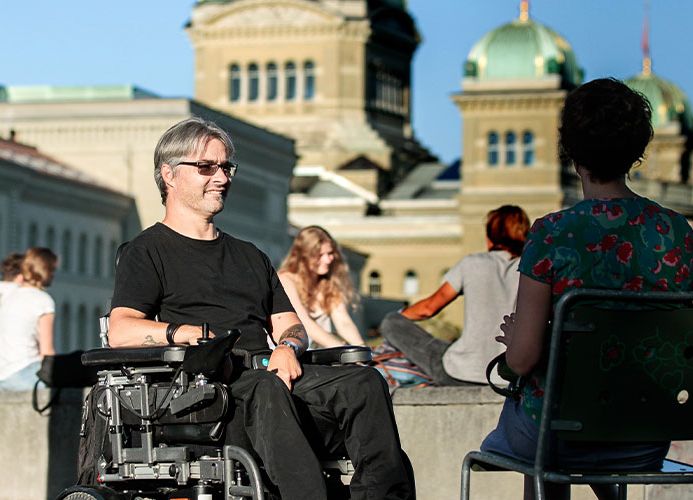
(149,340)
(298,334)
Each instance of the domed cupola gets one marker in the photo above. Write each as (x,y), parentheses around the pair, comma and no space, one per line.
(521,52)
(670,106)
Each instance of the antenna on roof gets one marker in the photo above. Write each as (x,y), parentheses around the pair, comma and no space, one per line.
(524,10)
(646,59)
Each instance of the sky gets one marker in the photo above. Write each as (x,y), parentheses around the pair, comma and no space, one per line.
(142,42)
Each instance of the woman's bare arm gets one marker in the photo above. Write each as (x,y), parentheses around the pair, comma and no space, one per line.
(45,334)
(315,332)
(345,325)
(524,331)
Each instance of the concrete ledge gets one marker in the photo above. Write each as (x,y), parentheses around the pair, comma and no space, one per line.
(437,425)
(39,453)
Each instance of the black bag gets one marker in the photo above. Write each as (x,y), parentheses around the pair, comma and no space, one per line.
(93,437)
(60,371)
(516,383)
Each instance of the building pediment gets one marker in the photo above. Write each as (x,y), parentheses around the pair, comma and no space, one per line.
(246,14)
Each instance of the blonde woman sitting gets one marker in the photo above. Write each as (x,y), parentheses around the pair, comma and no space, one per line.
(316,279)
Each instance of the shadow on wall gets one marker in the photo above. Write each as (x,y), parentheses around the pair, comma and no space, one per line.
(63,441)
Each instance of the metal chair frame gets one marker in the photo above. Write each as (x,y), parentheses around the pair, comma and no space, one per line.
(563,329)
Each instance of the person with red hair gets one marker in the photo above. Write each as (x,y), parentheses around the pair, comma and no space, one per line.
(488,281)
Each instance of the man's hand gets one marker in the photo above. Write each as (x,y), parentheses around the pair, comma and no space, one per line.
(284,364)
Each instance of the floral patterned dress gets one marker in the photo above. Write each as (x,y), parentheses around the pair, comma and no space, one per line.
(623,244)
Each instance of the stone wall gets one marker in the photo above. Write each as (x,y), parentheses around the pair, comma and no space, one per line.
(437,426)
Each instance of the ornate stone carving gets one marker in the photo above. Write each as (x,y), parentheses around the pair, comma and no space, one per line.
(263,16)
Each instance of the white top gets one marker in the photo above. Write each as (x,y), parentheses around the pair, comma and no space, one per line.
(489,282)
(20,311)
(5,287)
(324,321)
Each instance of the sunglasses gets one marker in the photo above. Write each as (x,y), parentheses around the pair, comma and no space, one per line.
(208,168)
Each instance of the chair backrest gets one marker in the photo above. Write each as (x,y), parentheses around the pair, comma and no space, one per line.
(621,366)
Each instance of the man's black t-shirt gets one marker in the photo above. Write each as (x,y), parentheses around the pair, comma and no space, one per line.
(225,282)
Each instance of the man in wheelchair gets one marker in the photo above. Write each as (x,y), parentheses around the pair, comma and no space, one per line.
(186,272)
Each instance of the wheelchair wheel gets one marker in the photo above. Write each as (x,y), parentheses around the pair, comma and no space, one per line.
(87,493)
(80,495)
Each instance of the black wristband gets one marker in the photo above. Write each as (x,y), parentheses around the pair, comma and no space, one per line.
(171,330)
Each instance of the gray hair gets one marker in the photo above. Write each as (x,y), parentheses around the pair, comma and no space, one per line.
(183,139)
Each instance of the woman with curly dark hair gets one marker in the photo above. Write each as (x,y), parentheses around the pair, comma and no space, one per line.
(315,276)
(613,239)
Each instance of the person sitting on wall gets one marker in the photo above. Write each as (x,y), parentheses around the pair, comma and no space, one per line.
(27,313)
(316,279)
(187,272)
(488,281)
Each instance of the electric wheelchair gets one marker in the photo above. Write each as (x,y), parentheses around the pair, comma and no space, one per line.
(154,425)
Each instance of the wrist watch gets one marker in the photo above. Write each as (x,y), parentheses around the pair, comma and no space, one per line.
(291,344)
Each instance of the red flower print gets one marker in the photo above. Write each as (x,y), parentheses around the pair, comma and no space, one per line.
(682,274)
(606,244)
(624,252)
(688,241)
(662,228)
(651,210)
(599,209)
(609,241)
(657,268)
(661,285)
(561,285)
(634,285)
(672,257)
(637,221)
(615,212)
(548,240)
(542,267)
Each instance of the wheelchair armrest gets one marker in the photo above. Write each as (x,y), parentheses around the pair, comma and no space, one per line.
(342,355)
(134,355)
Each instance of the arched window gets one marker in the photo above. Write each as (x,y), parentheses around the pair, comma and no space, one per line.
(98,257)
(492,149)
(290,81)
(82,254)
(527,148)
(234,82)
(82,327)
(411,284)
(32,235)
(374,284)
(253,82)
(510,148)
(50,238)
(66,254)
(66,322)
(272,80)
(308,80)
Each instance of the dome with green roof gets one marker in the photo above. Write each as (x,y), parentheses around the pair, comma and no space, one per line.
(523,50)
(669,103)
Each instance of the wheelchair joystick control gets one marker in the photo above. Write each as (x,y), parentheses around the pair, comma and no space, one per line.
(205,334)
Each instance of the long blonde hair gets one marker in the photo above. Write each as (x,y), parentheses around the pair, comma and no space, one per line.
(328,291)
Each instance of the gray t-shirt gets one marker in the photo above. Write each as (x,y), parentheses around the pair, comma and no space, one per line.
(489,283)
